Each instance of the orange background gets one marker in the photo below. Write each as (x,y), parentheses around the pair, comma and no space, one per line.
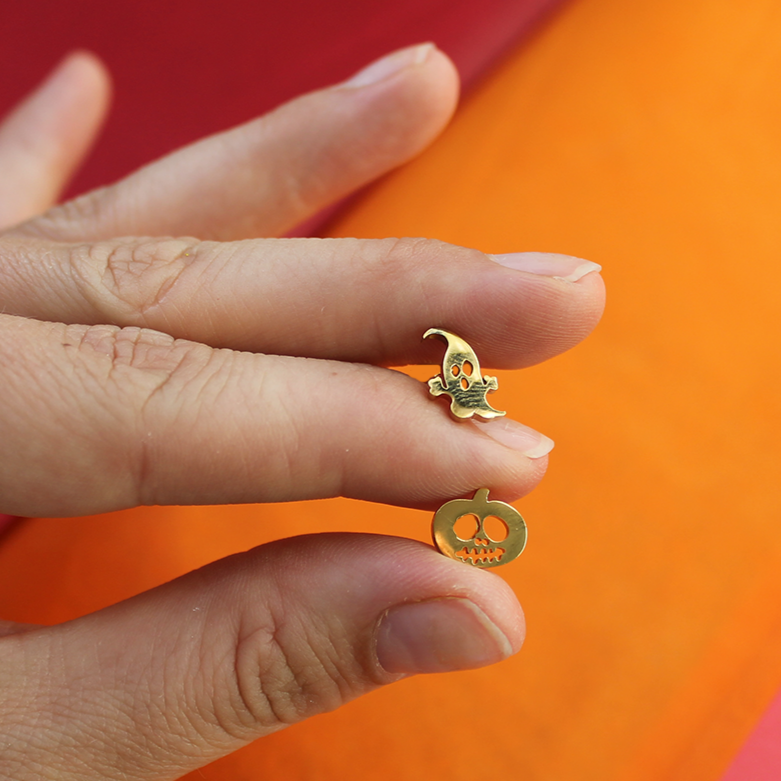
(646,137)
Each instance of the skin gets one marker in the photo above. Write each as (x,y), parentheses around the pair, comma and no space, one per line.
(148,325)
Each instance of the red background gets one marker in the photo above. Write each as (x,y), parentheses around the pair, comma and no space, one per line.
(184,69)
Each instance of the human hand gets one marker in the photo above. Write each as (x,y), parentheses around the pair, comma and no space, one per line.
(180,370)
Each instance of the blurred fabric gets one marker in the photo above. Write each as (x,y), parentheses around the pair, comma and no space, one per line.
(187,68)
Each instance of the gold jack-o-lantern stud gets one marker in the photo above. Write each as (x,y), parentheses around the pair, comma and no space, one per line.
(461,379)
(479,532)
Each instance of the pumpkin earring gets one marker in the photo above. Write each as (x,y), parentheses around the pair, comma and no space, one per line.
(476,531)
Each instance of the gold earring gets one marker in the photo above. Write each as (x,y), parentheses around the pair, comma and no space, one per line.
(479,539)
(476,531)
(461,379)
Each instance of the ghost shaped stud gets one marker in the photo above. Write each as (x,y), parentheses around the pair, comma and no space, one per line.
(479,532)
(461,379)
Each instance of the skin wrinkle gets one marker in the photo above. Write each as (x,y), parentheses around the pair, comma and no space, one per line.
(17,697)
(156,728)
(136,273)
(102,341)
(271,458)
(146,469)
(384,272)
(87,706)
(308,679)
(335,659)
(295,444)
(53,710)
(247,677)
(314,302)
(23,381)
(261,278)
(250,393)
(339,462)
(397,407)
(293,185)
(306,185)
(175,705)
(63,222)
(261,665)
(21,270)
(394,255)
(210,694)
(177,734)
(148,362)
(223,707)
(405,255)
(12,269)
(210,261)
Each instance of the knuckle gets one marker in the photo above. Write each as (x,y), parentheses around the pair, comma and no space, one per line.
(66,221)
(126,278)
(284,673)
(415,249)
(146,379)
(142,354)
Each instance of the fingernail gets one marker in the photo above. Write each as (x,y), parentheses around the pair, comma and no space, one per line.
(390,64)
(438,636)
(517,436)
(548,264)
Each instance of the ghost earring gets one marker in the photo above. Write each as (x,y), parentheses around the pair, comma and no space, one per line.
(461,379)
(476,531)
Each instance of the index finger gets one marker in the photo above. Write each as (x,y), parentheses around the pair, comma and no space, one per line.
(342,299)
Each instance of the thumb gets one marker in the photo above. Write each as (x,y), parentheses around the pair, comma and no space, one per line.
(179,676)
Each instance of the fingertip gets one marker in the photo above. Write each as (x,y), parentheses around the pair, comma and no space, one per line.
(434,85)
(99,70)
(440,66)
(415,90)
(87,75)
(79,70)
(421,61)
(465,619)
(441,73)
(589,301)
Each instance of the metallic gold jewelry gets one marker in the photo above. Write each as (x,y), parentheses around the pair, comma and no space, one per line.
(488,534)
(461,379)
(478,532)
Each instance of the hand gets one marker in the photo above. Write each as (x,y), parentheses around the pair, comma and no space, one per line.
(218,367)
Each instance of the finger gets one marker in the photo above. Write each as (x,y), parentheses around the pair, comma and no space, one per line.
(263,178)
(108,418)
(343,299)
(177,677)
(45,139)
